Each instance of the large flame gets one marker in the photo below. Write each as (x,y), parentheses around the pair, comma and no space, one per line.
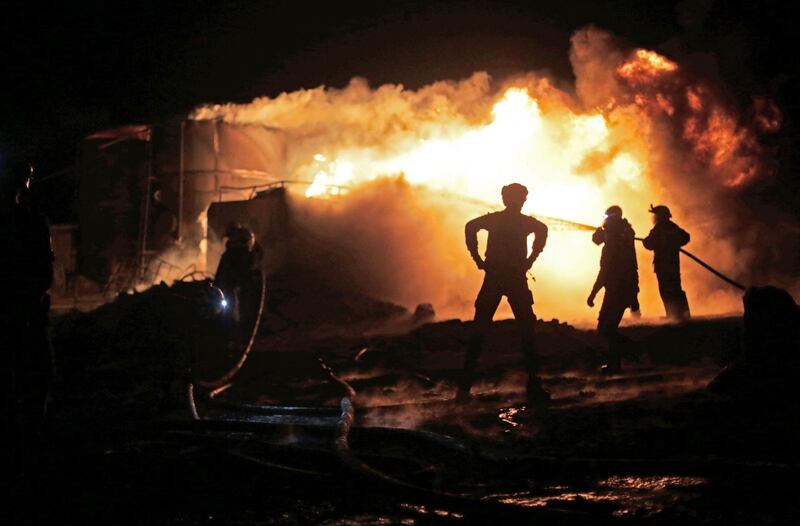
(645,134)
(543,150)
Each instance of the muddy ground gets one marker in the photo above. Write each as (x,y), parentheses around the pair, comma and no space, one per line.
(651,444)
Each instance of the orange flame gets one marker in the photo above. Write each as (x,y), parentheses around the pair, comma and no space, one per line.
(645,66)
(470,138)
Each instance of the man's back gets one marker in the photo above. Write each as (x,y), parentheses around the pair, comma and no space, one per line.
(619,253)
(665,240)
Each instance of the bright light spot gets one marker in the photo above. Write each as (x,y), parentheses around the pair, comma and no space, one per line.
(625,169)
(332,181)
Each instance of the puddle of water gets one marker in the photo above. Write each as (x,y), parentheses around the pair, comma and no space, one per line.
(629,496)
(508,415)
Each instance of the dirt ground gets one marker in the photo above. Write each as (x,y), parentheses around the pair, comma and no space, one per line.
(649,444)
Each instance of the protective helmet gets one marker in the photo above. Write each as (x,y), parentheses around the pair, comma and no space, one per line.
(232,229)
(614,210)
(514,193)
(660,211)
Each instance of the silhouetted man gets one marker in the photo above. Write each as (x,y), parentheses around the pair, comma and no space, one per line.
(665,240)
(506,265)
(238,272)
(619,276)
(26,273)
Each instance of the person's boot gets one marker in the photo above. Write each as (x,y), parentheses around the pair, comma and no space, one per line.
(463,396)
(609,369)
(613,361)
(464,384)
(537,396)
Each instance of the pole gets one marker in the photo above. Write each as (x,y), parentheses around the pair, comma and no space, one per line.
(180,183)
(145,219)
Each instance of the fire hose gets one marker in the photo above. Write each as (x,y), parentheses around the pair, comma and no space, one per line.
(220,382)
(452,502)
(508,463)
(223,382)
(566,224)
(581,226)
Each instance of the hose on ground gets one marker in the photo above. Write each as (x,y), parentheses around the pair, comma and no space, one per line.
(226,378)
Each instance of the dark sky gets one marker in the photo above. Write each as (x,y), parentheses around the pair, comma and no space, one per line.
(69,72)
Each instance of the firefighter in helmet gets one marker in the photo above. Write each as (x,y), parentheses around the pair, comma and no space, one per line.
(505,266)
(619,276)
(26,274)
(239,273)
(665,240)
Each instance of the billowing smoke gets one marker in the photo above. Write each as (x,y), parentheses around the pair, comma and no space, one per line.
(395,173)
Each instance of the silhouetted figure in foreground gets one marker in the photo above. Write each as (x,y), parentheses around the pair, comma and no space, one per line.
(506,265)
(765,376)
(26,273)
(619,276)
(665,240)
(238,273)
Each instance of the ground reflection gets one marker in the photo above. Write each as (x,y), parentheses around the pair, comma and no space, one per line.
(628,496)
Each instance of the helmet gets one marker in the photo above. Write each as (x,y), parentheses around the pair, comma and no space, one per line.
(232,229)
(660,211)
(514,193)
(614,210)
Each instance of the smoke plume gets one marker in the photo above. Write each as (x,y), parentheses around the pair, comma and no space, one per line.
(388,176)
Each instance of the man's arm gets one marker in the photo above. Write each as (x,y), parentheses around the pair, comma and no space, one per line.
(471,237)
(599,283)
(599,236)
(681,236)
(539,231)
(650,241)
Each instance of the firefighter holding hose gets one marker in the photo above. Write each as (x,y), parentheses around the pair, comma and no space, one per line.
(665,240)
(238,270)
(505,265)
(619,276)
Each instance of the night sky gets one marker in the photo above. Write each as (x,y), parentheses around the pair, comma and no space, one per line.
(92,66)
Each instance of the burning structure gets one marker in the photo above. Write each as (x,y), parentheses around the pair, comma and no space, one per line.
(146,189)
(380,180)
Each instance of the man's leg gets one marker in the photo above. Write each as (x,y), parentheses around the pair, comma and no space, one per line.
(664,292)
(485,306)
(611,312)
(673,296)
(681,302)
(521,302)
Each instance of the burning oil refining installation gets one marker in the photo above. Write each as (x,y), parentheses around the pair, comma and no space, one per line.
(143,199)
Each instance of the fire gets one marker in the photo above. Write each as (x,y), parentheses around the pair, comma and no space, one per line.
(645,66)
(645,135)
(521,142)
(545,148)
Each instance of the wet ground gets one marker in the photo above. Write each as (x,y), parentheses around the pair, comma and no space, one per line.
(650,444)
